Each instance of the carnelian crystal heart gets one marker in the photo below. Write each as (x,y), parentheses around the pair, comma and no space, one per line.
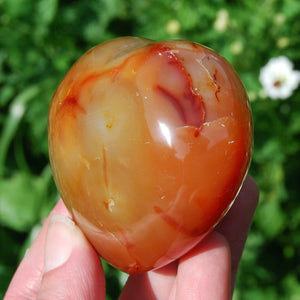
(149,143)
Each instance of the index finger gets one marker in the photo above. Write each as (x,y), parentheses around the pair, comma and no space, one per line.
(236,224)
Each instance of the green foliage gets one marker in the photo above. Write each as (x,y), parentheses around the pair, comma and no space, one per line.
(39,41)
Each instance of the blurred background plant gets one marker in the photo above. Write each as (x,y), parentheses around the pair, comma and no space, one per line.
(39,41)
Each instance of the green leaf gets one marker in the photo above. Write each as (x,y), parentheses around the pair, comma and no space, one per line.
(6,273)
(20,201)
(270,218)
(16,8)
(295,122)
(46,10)
(16,112)
(292,286)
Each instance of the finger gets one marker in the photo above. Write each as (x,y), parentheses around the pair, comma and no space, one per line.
(152,285)
(72,268)
(27,278)
(204,272)
(236,224)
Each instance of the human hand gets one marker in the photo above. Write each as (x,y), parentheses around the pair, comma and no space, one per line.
(61,263)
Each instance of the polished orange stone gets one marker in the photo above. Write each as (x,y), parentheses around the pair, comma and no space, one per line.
(149,144)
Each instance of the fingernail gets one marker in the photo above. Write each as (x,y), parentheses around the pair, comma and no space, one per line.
(59,241)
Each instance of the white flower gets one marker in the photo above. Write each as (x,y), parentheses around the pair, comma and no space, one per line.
(280,18)
(236,47)
(222,20)
(278,78)
(173,27)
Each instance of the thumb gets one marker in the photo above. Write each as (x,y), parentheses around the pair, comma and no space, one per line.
(72,268)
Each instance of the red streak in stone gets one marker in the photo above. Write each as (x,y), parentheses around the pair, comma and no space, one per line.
(94,76)
(124,239)
(217,86)
(175,101)
(197,131)
(157,48)
(90,77)
(70,106)
(188,104)
(111,72)
(135,266)
(173,223)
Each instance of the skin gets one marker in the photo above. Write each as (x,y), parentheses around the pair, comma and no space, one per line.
(208,271)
